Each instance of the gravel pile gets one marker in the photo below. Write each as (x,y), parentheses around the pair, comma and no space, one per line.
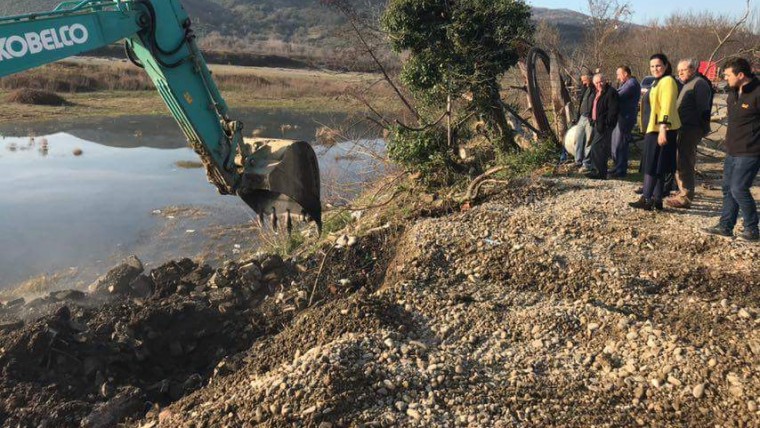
(550,303)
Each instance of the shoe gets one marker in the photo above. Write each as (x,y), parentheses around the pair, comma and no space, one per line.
(639,190)
(642,204)
(657,205)
(718,230)
(677,202)
(596,176)
(750,235)
(616,176)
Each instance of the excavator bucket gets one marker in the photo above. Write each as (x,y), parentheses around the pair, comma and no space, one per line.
(280,180)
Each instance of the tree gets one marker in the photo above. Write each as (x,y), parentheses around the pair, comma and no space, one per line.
(460,47)
(606,25)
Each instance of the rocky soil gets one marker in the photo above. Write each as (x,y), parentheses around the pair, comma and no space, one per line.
(549,302)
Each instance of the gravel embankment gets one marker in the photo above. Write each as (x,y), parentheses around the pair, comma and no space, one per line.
(550,304)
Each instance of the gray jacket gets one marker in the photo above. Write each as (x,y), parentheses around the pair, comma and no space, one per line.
(694,102)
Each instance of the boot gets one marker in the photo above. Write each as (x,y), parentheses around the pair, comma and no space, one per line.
(642,204)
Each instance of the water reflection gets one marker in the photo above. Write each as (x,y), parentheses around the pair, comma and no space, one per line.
(67,201)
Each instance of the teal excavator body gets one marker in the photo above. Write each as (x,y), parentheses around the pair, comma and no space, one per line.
(277,178)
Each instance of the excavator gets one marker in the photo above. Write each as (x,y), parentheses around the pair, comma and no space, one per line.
(276,178)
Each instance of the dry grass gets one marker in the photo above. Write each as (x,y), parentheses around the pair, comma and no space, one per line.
(35,97)
(102,87)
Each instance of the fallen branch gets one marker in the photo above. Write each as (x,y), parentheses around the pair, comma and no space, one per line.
(319,273)
(472,189)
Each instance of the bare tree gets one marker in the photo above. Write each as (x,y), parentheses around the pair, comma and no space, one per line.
(607,21)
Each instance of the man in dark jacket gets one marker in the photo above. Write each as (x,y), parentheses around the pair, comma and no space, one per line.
(604,117)
(629,93)
(583,120)
(743,151)
(694,105)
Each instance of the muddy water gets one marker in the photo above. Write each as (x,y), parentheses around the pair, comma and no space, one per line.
(74,216)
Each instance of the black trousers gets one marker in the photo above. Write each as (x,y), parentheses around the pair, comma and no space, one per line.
(601,145)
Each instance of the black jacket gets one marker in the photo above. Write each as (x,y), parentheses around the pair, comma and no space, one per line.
(743,132)
(606,110)
(585,102)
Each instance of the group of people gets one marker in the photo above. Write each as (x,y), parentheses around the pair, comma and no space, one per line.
(678,119)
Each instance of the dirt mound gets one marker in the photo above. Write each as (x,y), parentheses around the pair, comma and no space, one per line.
(109,355)
(35,97)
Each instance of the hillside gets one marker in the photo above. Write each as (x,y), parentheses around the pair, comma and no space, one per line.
(291,21)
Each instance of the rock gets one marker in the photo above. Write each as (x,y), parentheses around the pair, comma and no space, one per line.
(142,286)
(70,295)
(117,280)
(414,414)
(250,274)
(271,263)
(128,402)
(15,303)
(752,406)
(8,326)
(698,390)
(164,416)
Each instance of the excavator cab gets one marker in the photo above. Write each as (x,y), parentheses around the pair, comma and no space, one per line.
(277,178)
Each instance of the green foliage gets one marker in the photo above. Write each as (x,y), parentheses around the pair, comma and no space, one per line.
(456,45)
(336,221)
(521,163)
(456,48)
(423,151)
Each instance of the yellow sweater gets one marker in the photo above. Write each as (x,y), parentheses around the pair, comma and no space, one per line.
(663,100)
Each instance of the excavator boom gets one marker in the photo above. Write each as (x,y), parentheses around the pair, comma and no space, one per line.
(274,177)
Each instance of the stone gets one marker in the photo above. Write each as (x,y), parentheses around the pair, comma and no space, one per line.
(698,391)
(64,295)
(270,263)
(250,274)
(117,280)
(8,326)
(414,414)
(128,402)
(142,286)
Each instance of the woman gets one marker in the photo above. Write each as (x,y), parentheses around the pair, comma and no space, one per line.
(659,157)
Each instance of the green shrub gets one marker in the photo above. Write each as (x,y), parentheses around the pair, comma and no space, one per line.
(523,162)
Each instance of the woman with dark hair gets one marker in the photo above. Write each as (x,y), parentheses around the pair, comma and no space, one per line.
(659,158)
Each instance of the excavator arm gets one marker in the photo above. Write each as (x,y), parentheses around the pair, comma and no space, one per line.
(274,177)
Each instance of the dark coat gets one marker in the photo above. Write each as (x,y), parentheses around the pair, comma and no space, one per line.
(606,110)
(628,102)
(585,102)
(743,133)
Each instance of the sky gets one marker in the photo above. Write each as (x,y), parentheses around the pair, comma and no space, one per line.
(645,10)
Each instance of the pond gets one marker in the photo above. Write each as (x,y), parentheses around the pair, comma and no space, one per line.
(75,198)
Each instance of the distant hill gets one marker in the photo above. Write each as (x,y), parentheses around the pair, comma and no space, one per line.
(291,21)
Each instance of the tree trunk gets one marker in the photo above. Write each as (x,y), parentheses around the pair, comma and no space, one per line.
(558,104)
(504,137)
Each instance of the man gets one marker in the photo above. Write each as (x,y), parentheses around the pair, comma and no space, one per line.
(584,122)
(604,116)
(743,151)
(629,94)
(694,105)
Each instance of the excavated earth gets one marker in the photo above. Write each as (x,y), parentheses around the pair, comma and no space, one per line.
(548,303)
